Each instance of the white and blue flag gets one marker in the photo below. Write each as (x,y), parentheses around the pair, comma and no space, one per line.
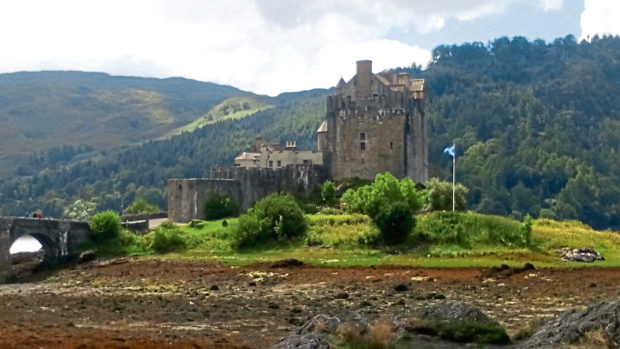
(450,150)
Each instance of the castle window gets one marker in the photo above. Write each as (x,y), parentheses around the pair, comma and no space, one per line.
(306,162)
(391,146)
(270,163)
(362,136)
(362,146)
(279,163)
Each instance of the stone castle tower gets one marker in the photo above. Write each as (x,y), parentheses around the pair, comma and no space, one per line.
(375,123)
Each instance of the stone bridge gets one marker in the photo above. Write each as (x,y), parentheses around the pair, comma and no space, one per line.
(59,239)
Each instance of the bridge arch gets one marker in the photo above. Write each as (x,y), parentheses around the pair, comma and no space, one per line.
(59,238)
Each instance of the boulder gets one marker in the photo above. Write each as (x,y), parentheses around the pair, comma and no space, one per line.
(287,263)
(454,311)
(585,254)
(87,256)
(571,327)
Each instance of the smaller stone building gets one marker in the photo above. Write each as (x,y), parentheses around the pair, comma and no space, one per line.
(264,155)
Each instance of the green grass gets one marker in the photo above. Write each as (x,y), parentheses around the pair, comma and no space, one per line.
(352,240)
(231,108)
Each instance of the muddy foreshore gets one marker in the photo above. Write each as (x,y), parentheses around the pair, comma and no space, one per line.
(138,304)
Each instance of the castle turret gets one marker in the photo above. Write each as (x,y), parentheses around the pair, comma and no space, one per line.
(321,135)
(363,79)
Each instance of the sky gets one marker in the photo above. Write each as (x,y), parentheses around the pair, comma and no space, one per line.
(272,46)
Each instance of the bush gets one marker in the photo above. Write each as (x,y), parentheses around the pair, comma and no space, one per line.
(439,196)
(141,206)
(526,228)
(105,226)
(464,229)
(395,221)
(274,217)
(328,192)
(167,238)
(220,206)
(384,190)
(447,227)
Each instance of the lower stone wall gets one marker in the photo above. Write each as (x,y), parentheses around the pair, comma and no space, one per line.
(187,197)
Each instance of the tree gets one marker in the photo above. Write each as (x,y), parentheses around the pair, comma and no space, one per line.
(328,192)
(141,206)
(385,189)
(274,217)
(221,206)
(81,210)
(440,196)
(105,226)
(395,221)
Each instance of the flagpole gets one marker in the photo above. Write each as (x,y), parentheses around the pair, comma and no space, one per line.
(453,179)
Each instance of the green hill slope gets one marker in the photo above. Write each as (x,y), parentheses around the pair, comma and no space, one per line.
(43,110)
(230,109)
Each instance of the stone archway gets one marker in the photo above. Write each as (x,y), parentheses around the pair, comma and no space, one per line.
(48,245)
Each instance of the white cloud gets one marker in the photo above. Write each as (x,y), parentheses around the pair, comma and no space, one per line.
(266,46)
(600,17)
(550,5)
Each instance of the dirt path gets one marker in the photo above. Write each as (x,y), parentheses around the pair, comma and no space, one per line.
(200,305)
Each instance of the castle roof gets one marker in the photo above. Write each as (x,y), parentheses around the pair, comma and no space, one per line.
(341,83)
(248,156)
(323,127)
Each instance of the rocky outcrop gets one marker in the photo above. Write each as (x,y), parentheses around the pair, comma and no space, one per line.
(574,326)
(438,325)
(454,311)
(586,254)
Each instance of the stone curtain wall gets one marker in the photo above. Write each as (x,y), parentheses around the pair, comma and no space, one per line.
(187,197)
(256,183)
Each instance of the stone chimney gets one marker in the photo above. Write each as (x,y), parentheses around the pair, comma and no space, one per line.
(363,79)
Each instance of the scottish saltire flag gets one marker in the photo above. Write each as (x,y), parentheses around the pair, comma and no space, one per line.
(450,150)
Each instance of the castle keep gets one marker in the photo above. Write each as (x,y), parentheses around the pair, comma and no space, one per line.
(374,124)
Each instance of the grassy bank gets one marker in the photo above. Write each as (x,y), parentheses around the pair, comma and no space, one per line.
(475,240)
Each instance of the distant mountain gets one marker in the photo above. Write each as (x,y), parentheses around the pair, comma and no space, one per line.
(536,127)
(44,110)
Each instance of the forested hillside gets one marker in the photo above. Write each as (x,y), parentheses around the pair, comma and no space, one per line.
(536,125)
(94,111)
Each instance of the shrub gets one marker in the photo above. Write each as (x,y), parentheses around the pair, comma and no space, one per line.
(526,228)
(546,213)
(439,196)
(167,238)
(274,217)
(105,226)
(395,221)
(220,206)
(463,229)
(141,206)
(384,190)
(447,227)
(328,192)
